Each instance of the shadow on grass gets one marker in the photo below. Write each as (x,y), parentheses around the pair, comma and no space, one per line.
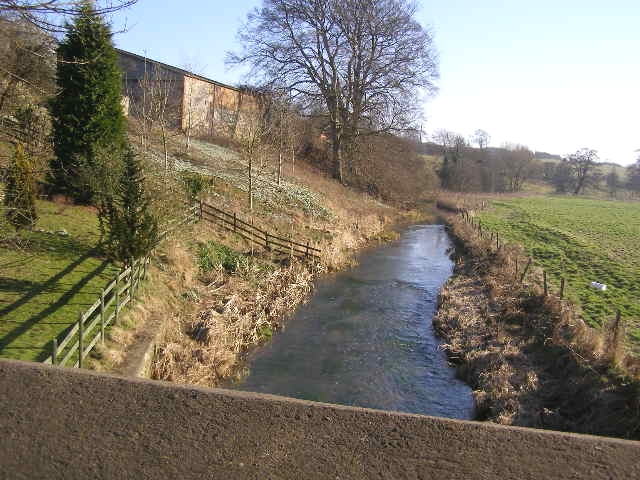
(60,302)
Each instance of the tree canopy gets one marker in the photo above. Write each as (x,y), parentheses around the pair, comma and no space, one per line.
(363,63)
(87,112)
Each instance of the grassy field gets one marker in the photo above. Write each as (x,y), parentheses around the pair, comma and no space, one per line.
(583,240)
(49,280)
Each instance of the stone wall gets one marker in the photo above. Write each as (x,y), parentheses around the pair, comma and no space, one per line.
(63,423)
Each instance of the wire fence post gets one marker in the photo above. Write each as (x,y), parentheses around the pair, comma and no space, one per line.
(235,220)
(544,276)
(307,251)
(561,288)
(497,241)
(200,213)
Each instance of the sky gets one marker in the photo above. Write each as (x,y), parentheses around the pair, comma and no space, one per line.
(555,76)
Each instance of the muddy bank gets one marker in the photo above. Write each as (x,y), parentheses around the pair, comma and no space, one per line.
(529,360)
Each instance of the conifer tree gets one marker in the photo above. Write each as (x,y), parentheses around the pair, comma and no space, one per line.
(20,191)
(87,112)
(132,229)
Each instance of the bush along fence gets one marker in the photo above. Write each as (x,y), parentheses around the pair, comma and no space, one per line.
(524,271)
(230,222)
(82,337)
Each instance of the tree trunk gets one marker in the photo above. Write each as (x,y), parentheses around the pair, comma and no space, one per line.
(250,182)
(293,160)
(336,138)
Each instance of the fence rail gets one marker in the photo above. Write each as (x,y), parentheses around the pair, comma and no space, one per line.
(528,264)
(251,233)
(89,329)
(82,337)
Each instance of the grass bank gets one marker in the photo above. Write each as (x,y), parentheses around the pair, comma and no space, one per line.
(529,358)
(47,277)
(582,240)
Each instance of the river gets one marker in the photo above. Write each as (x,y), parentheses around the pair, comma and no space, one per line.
(366,337)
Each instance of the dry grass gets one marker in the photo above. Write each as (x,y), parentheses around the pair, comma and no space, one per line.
(530,359)
(207,321)
(235,314)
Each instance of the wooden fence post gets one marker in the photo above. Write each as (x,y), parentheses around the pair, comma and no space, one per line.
(80,339)
(266,240)
(117,302)
(497,241)
(200,209)
(544,277)
(561,288)
(102,316)
(307,252)
(54,351)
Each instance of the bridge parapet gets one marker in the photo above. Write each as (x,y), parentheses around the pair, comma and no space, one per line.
(63,423)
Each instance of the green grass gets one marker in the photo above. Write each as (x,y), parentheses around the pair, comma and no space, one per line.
(47,281)
(583,240)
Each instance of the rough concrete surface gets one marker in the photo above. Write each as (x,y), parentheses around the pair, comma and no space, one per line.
(63,423)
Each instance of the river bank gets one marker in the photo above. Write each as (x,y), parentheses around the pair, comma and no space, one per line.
(196,327)
(365,338)
(529,360)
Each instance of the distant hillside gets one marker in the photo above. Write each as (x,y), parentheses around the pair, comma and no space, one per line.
(547,156)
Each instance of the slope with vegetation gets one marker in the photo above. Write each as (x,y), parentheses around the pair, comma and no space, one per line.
(529,358)
(581,240)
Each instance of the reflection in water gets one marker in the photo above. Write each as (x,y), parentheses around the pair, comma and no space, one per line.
(366,336)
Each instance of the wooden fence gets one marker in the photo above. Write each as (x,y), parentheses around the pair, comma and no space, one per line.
(90,327)
(251,233)
(81,338)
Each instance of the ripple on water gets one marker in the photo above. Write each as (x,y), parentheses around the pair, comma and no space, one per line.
(366,337)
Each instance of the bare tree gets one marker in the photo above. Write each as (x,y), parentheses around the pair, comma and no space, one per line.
(481,138)
(583,163)
(155,104)
(518,164)
(633,178)
(255,142)
(49,15)
(613,183)
(363,61)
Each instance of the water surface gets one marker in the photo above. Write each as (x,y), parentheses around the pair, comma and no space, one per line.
(366,337)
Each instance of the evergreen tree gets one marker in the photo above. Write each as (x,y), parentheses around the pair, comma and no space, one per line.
(132,230)
(87,112)
(20,191)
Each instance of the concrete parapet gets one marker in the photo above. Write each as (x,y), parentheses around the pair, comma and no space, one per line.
(63,423)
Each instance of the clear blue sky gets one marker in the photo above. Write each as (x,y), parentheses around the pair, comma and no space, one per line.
(554,75)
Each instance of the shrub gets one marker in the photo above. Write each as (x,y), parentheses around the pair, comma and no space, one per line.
(195,183)
(212,254)
(20,191)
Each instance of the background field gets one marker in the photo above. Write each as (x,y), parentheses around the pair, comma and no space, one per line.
(583,240)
